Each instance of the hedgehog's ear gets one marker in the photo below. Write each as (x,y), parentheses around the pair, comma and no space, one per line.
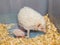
(38,25)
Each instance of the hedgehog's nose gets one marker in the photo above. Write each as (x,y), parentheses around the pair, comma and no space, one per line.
(44,30)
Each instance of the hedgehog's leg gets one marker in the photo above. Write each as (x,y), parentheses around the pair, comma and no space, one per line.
(28,33)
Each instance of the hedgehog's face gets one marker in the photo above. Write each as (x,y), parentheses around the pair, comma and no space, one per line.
(41,28)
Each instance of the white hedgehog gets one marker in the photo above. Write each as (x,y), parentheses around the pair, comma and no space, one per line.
(30,19)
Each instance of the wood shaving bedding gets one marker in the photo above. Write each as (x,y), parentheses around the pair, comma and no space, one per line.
(52,37)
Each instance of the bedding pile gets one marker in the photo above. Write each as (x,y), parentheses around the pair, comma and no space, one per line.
(52,37)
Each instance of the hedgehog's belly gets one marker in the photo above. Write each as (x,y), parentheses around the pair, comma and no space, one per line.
(30,27)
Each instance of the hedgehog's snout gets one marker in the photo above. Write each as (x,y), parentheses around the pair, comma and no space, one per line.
(41,28)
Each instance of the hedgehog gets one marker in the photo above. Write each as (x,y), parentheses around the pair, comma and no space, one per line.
(30,19)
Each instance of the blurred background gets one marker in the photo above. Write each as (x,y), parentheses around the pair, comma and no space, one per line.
(9,8)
